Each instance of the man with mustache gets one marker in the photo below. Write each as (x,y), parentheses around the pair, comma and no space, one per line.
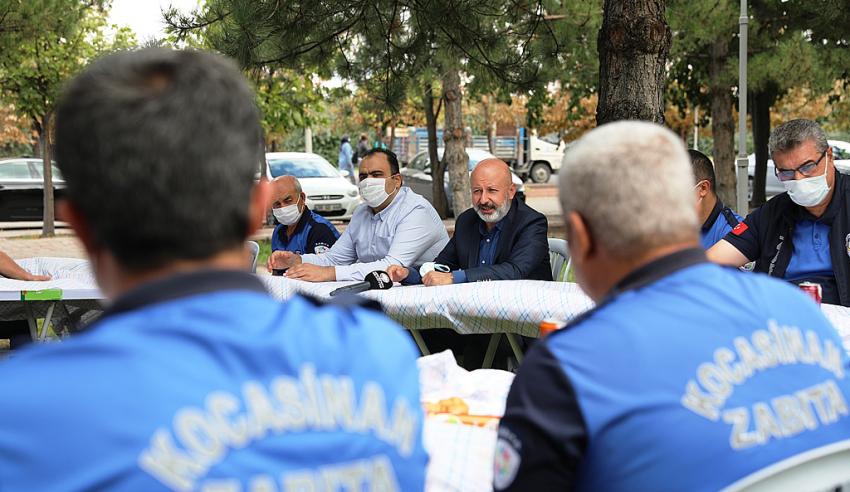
(499,238)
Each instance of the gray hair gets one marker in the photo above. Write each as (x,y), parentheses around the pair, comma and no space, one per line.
(791,134)
(632,183)
(144,138)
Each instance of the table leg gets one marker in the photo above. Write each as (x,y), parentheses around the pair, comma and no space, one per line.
(515,347)
(48,316)
(490,354)
(31,321)
(420,342)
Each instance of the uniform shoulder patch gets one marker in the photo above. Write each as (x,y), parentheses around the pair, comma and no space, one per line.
(320,248)
(505,464)
(740,228)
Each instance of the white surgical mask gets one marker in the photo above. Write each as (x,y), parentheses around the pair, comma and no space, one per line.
(373,191)
(287,215)
(807,192)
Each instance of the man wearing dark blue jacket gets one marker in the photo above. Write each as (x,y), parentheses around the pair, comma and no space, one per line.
(299,229)
(195,378)
(687,375)
(499,238)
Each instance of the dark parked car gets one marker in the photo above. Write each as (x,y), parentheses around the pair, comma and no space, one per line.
(22,189)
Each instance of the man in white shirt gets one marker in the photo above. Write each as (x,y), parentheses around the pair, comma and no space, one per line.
(394,227)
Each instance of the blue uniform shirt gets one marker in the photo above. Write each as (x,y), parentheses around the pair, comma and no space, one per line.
(690,376)
(810,258)
(719,223)
(313,234)
(204,382)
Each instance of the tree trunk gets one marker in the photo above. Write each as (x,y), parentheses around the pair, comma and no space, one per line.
(760,103)
(633,45)
(722,124)
(490,121)
(44,142)
(440,203)
(391,145)
(455,156)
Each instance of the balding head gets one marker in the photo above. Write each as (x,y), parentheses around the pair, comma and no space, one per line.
(492,187)
(286,190)
(492,170)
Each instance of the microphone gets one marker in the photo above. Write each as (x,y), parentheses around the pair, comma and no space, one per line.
(378,280)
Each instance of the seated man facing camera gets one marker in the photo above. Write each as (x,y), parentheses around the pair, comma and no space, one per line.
(499,238)
(195,378)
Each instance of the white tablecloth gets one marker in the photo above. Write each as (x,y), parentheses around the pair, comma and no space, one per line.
(71,275)
(516,306)
(484,307)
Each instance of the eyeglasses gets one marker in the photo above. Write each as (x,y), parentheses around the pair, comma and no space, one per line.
(806,169)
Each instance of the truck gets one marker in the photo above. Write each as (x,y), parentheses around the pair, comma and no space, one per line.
(530,157)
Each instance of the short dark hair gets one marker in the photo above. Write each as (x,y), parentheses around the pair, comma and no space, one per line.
(159,149)
(703,168)
(391,157)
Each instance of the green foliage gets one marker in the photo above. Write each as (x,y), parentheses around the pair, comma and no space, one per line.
(53,40)
(285,100)
(389,48)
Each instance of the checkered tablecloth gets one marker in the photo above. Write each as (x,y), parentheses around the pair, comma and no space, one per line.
(516,306)
(485,307)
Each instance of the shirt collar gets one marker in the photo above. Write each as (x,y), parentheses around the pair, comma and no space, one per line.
(712,217)
(658,269)
(184,285)
(482,227)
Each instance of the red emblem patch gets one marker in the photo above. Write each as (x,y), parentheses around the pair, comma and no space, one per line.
(739,229)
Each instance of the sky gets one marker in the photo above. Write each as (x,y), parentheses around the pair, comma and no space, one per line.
(145,16)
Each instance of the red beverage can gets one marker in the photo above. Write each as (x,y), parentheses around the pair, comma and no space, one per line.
(814,290)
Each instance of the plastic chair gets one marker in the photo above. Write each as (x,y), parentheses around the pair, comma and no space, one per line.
(820,469)
(254,250)
(559,258)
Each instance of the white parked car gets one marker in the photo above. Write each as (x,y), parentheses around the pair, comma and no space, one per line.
(840,153)
(329,192)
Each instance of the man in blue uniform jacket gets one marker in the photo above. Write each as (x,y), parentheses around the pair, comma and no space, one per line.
(299,229)
(802,235)
(195,378)
(717,219)
(687,375)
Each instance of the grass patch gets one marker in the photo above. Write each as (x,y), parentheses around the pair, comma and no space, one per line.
(265,252)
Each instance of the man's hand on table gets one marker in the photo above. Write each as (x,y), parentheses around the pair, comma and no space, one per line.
(36,278)
(437,278)
(312,273)
(397,273)
(281,260)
